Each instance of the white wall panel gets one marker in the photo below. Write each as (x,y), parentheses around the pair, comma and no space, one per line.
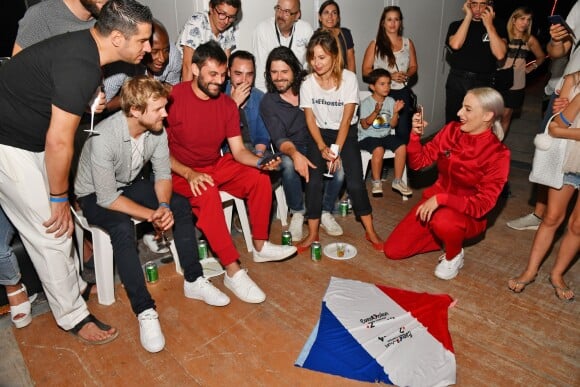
(425,22)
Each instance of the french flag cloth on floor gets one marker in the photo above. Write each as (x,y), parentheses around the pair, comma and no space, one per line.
(377,333)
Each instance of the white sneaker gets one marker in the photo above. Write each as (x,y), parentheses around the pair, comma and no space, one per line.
(244,288)
(202,289)
(295,228)
(446,269)
(271,252)
(527,222)
(377,188)
(154,245)
(152,338)
(328,223)
(399,185)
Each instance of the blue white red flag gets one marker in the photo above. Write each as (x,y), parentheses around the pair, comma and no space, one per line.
(377,333)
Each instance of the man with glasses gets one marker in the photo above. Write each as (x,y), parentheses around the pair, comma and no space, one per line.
(217,24)
(475,45)
(284,29)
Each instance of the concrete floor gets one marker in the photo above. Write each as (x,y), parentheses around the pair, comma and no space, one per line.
(500,338)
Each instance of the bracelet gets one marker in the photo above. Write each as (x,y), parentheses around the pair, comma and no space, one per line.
(59,194)
(565,120)
(58,200)
(164,204)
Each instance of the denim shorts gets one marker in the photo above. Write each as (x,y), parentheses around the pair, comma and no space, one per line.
(572,179)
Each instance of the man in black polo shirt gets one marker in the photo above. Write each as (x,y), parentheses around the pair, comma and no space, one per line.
(476,43)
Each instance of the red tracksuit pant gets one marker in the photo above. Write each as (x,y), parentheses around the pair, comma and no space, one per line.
(447,228)
(240,181)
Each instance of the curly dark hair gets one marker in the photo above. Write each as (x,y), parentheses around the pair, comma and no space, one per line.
(285,55)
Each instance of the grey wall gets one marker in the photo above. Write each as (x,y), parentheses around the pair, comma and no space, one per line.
(425,22)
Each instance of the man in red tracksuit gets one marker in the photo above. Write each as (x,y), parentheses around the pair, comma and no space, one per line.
(200,119)
(473,166)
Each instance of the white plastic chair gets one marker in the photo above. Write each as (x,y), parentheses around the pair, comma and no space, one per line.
(366,158)
(103,256)
(228,202)
(281,205)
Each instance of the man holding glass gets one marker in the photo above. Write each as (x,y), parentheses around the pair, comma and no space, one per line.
(284,29)
(476,43)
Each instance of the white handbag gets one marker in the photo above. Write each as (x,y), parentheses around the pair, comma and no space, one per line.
(548,159)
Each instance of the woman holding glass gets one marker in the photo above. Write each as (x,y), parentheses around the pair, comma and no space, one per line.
(329,97)
(395,53)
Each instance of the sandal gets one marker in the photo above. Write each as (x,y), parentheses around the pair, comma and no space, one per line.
(102,326)
(23,309)
(518,286)
(561,292)
(87,292)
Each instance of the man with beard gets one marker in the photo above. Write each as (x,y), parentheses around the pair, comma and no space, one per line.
(241,73)
(45,20)
(44,90)
(284,29)
(216,25)
(286,124)
(111,193)
(200,119)
(54,17)
(475,45)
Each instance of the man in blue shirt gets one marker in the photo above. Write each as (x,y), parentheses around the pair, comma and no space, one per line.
(241,73)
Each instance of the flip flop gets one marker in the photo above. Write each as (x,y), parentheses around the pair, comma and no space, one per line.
(560,292)
(521,285)
(102,326)
(87,292)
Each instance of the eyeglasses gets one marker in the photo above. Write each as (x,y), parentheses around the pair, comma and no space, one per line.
(285,12)
(223,15)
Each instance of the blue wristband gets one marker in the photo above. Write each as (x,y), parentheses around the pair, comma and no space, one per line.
(58,200)
(565,120)
(164,204)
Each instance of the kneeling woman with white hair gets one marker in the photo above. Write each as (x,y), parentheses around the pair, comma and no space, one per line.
(473,167)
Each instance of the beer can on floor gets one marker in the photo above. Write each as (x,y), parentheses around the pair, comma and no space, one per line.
(151,272)
(316,251)
(202,249)
(343,208)
(287,238)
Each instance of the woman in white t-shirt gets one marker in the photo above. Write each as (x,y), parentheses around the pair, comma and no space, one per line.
(329,97)
(395,53)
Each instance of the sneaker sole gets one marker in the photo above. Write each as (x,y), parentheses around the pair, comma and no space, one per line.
(274,259)
(205,302)
(254,301)
(333,233)
(534,228)
(403,193)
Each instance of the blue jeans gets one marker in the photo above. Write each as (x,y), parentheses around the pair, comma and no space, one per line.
(9,269)
(292,184)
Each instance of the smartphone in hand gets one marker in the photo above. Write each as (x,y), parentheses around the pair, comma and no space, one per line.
(271,157)
(557,19)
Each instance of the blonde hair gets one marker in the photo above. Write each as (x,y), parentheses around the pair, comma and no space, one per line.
(136,92)
(491,101)
(516,14)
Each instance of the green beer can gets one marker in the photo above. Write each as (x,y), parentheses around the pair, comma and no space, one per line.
(286,238)
(202,249)
(151,272)
(316,251)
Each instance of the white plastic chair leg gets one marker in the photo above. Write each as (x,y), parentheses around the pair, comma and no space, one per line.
(282,206)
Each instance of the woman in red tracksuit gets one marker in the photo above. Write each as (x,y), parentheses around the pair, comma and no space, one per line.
(473,167)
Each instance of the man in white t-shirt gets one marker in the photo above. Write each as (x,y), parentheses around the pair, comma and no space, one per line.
(284,29)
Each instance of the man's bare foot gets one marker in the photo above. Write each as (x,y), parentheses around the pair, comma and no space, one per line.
(92,331)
